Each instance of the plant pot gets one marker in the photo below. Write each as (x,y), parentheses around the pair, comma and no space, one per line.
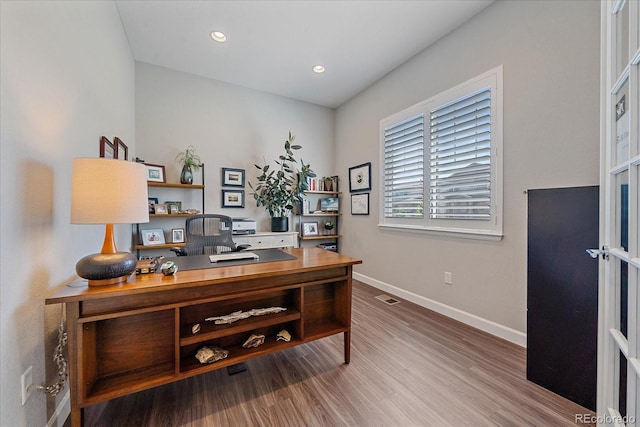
(186,177)
(280,224)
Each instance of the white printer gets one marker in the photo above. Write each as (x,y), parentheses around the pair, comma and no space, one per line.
(243,226)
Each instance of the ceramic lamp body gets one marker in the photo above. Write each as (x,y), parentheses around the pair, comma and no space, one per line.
(105,269)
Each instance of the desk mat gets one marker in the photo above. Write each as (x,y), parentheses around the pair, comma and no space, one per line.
(198,262)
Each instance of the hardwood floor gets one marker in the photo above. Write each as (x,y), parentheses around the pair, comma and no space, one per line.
(409,367)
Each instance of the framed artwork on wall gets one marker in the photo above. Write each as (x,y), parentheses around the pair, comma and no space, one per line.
(122,151)
(108,149)
(155,173)
(360,177)
(233,198)
(232,177)
(360,204)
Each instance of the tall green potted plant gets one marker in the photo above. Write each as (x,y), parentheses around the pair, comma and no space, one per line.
(279,189)
(190,162)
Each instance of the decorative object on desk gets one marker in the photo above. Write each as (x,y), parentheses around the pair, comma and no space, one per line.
(239,315)
(155,173)
(283,335)
(309,228)
(233,198)
(360,177)
(232,177)
(360,204)
(153,201)
(160,209)
(211,354)
(195,329)
(122,151)
(177,235)
(152,236)
(254,340)
(330,183)
(107,192)
(169,268)
(108,150)
(190,162)
(279,189)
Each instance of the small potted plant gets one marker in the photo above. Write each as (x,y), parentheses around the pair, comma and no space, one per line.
(280,188)
(190,162)
(328,225)
(328,183)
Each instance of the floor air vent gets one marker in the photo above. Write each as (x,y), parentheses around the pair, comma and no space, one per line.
(387,299)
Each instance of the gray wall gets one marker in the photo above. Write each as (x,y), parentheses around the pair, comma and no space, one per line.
(67,78)
(550,52)
(230,126)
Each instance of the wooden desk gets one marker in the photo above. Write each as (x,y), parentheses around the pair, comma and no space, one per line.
(130,337)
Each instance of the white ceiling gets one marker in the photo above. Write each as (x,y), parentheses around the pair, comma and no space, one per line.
(272,45)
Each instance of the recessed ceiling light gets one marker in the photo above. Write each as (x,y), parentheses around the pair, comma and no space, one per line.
(318,69)
(218,36)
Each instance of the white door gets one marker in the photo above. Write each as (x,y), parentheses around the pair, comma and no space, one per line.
(618,332)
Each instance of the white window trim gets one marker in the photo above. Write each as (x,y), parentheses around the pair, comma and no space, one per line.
(483,230)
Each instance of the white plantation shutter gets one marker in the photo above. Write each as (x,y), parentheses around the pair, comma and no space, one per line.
(441,166)
(404,168)
(460,158)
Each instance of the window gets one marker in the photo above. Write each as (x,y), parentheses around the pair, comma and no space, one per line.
(441,161)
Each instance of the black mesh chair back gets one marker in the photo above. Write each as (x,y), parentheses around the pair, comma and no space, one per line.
(208,234)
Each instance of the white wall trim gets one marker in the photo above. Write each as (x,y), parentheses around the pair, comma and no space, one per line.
(501,331)
(61,413)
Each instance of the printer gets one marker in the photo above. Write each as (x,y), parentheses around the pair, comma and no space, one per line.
(243,226)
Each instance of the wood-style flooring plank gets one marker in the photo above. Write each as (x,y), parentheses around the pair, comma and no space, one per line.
(409,367)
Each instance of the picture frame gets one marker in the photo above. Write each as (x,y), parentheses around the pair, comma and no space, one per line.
(233,198)
(160,209)
(309,228)
(360,177)
(155,173)
(122,151)
(152,236)
(171,203)
(172,209)
(232,177)
(360,204)
(108,150)
(177,235)
(153,201)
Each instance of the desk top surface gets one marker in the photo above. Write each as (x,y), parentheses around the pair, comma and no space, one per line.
(307,259)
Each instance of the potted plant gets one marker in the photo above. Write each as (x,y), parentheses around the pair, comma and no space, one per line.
(279,189)
(328,183)
(190,162)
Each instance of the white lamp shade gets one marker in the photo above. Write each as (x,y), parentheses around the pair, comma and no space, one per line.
(108,191)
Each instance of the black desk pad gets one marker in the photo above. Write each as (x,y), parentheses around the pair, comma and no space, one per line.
(198,262)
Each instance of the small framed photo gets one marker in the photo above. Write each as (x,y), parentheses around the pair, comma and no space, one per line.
(232,177)
(122,151)
(108,150)
(153,201)
(177,203)
(155,173)
(360,177)
(177,235)
(309,228)
(360,204)
(161,209)
(152,236)
(172,209)
(233,198)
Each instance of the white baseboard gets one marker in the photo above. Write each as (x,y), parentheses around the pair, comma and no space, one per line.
(501,331)
(61,413)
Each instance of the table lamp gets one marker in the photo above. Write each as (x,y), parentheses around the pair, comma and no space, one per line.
(108,191)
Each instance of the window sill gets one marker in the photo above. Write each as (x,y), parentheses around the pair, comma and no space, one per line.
(451,232)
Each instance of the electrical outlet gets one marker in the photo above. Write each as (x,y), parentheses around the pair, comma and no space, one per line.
(448,278)
(26,380)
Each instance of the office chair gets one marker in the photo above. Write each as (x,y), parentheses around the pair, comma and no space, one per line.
(208,234)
